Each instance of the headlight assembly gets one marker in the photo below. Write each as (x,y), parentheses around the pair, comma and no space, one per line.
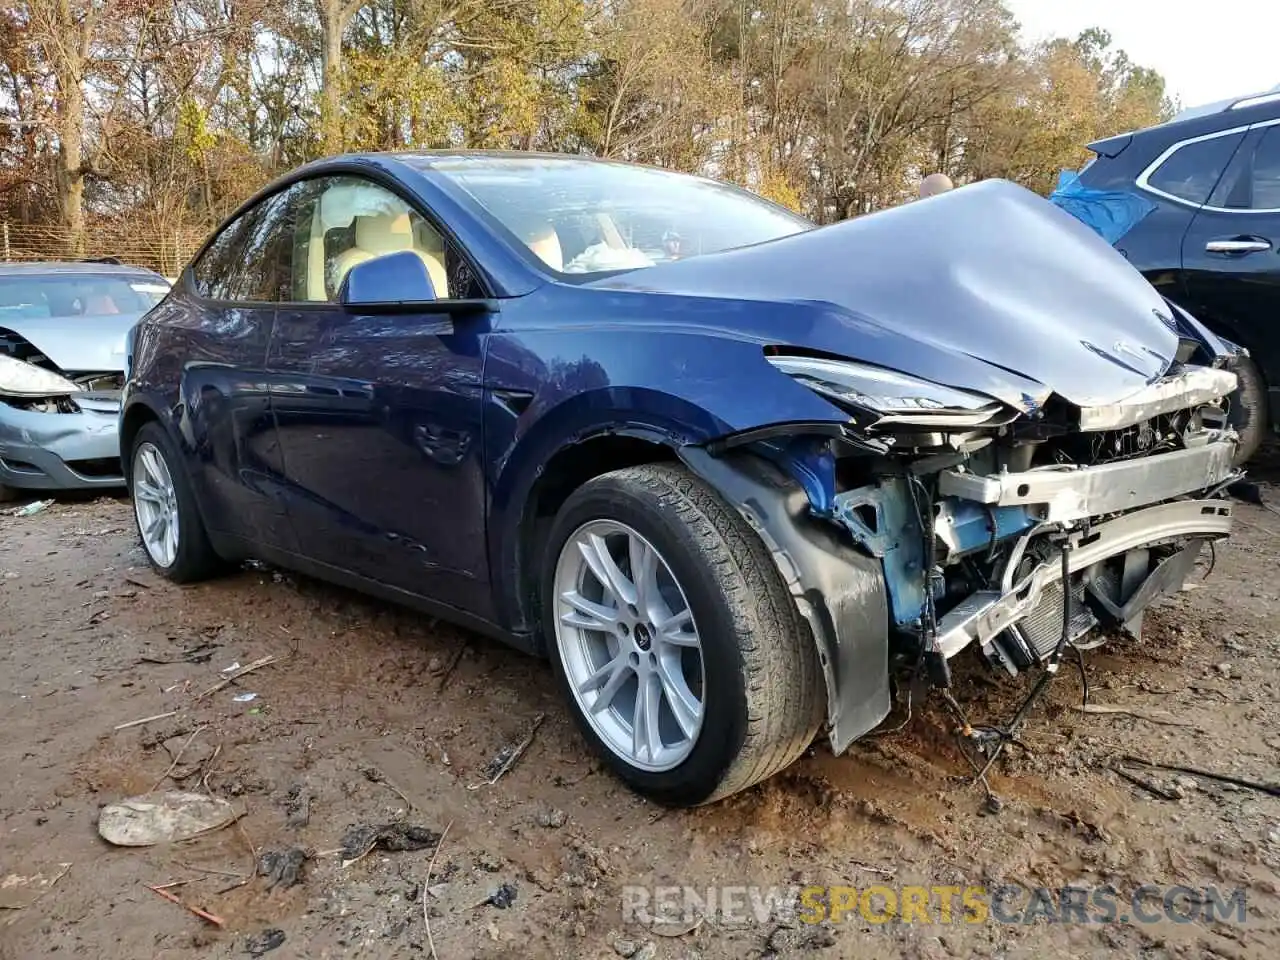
(21,379)
(897,397)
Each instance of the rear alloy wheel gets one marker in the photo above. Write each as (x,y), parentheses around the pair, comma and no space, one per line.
(169,524)
(155,502)
(681,653)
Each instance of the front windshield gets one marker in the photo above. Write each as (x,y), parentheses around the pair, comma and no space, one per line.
(586,217)
(40,297)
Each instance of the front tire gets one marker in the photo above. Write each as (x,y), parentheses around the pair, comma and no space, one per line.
(164,507)
(683,657)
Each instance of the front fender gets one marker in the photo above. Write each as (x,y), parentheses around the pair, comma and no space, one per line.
(520,460)
(549,390)
(840,592)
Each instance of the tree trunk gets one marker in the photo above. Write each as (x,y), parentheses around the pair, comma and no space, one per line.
(70,170)
(333,20)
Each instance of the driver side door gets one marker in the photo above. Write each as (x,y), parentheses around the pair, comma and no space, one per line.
(379,415)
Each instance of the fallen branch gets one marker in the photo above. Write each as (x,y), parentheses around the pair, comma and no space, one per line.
(1105,709)
(208,767)
(208,870)
(516,754)
(1268,788)
(426,885)
(453,665)
(202,914)
(249,668)
(138,723)
(886,872)
(1144,783)
(374,775)
(253,861)
(174,766)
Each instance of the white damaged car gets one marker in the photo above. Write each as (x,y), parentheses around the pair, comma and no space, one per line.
(63,329)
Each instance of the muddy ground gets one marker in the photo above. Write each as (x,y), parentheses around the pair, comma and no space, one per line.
(374,715)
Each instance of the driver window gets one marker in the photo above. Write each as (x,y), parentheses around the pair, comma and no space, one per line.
(349,220)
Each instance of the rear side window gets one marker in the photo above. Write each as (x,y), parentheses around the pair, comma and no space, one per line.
(251,258)
(214,271)
(1265,180)
(1192,171)
(265,271)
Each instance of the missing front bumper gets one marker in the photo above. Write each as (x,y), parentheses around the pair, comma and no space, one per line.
(983,615)
(1067,494)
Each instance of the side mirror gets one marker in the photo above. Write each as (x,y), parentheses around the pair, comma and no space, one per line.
(390,282)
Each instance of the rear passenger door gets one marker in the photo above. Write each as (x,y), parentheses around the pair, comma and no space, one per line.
(1231,253)
(221,321)
(1180,179)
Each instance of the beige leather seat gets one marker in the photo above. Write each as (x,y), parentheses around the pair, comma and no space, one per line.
(384,233)
(543,240)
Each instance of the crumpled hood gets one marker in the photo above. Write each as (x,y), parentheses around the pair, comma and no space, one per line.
(86,344)
(990,272)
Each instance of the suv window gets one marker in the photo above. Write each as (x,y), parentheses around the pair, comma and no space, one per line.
(250,259)
(1265,194)
(212,272)
(1191,172)
(297,245)
(264,271)
(347,220)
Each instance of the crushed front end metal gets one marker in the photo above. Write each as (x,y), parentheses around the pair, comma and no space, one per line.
(55,435)
(1022,536)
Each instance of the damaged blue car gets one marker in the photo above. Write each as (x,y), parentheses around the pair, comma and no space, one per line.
(727,470)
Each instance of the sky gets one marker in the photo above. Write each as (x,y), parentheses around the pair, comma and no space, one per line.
(1206,51)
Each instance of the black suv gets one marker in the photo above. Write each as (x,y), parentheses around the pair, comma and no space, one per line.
(1212,243)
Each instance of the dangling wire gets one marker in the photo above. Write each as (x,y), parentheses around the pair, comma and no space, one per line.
(1002,735)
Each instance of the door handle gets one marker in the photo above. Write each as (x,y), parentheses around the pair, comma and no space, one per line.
(1238,245)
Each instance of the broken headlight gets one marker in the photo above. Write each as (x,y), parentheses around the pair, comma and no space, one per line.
(21,379)
(896,397)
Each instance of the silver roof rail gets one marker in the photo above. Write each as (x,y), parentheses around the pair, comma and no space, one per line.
(1256,100)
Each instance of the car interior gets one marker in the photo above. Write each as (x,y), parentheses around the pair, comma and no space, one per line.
(375,235)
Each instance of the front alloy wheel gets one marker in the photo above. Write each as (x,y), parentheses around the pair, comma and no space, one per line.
(629,645)
(680,650)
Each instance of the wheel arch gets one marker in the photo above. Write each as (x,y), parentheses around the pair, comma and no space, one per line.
(136,415)
(573,464)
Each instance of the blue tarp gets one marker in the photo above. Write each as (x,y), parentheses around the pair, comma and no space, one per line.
(1112,213)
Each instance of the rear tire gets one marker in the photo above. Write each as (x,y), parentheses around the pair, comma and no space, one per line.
(1248,410)
(761,693)
(165,511)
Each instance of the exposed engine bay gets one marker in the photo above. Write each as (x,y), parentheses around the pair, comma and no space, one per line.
(57,431)
(989,543)
(1024,534)
(20,348)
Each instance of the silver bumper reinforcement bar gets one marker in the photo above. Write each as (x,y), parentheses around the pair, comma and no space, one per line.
(1061,495)
(986,613)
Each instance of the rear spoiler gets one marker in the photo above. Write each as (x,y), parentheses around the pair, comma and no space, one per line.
(1112,146)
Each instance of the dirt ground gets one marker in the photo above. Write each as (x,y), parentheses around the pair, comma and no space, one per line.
(375,715)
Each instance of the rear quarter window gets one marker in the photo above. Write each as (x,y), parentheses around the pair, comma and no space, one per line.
(1192,170)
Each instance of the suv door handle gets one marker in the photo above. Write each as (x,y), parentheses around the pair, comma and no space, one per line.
(1238,245)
